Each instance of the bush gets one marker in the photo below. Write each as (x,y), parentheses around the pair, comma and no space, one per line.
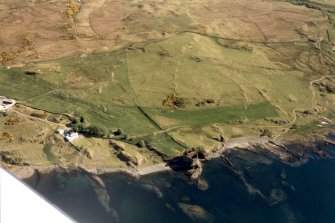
(330,89)
(74,121)
(210,101)
(118,132)
(308,112)
(180,102)
(140,144)
(266,132)
(200,104)
(82,119)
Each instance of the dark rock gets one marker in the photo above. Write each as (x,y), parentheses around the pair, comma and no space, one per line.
(181,163)
(201,155)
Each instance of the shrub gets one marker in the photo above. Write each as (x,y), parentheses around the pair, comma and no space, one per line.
(308,112)
(74,120)
(210,101)
(330,89)
(118,132)
(140,144)
(180,102)
(266,132)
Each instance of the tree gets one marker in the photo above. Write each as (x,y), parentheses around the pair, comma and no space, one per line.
(82,119)
(96,131)
(118,132)
(79,128)
(74,120)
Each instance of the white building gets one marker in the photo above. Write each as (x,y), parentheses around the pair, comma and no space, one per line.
(71,136)
(62,131)
(6,104)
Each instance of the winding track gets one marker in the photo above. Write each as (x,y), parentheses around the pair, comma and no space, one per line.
(311,86)
(83,18)
(39,119)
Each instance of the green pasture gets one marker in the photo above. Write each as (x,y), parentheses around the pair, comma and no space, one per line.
(248,82)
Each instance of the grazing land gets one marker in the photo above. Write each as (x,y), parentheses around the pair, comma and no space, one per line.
(144,81)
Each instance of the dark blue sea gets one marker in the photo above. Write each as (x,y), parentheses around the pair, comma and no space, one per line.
(259,188)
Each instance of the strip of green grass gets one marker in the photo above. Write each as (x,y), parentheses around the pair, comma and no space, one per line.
(15,84)
(218,115)
(49,154)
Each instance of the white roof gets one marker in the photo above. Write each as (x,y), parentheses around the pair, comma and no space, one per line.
(71,136)
(19,204)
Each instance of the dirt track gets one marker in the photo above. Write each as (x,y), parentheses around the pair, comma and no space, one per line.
(104,24)
(83,18)
(39,119)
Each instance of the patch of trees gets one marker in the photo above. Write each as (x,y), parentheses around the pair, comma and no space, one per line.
(79,125)
(91,130)
(12,157)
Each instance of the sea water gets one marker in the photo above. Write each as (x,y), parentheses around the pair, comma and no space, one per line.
(259,188)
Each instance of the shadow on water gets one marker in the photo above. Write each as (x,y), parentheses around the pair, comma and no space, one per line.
(263,189)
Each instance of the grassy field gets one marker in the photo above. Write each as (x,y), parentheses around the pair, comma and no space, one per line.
(247,84)
(232,74)
(206,117)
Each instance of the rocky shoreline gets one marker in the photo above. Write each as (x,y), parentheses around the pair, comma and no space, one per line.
(291,151)
(190,163)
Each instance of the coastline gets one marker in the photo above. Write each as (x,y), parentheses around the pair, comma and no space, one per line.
(277,147)
(263,182)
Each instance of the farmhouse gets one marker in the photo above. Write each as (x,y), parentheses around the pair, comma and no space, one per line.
(63,131)
(6,104)
(71,136)
(68,134)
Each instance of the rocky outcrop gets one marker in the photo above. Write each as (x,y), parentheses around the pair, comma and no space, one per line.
(195,212)
(181,163)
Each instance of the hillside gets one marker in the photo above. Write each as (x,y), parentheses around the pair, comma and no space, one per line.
(160,77)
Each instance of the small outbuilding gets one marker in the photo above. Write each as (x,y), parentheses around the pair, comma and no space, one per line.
(6,104)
